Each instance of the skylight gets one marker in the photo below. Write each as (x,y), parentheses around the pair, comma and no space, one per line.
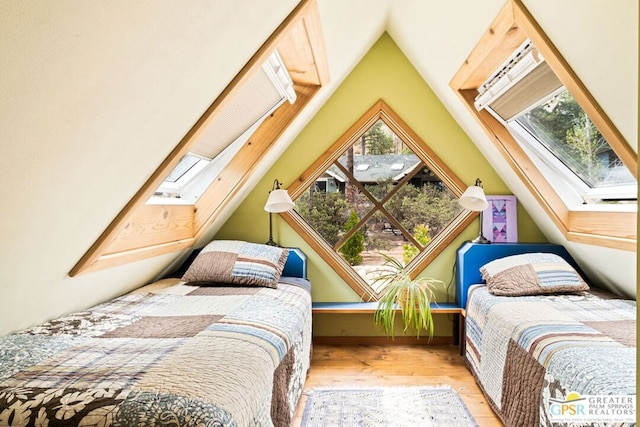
(543,116)
(238,119)
(188,168)
(586,204)
(149,226)
(560,128)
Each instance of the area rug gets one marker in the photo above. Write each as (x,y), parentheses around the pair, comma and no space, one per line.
(385,406)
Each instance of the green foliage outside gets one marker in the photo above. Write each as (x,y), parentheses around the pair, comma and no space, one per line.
(429,205)
(588,142)
(574,137)
(352,249)
(375,242)
(421,234)
(421,206)
(377,140)
(327,213)
(380,189)
(330,213)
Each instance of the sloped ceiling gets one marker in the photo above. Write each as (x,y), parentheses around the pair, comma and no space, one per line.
(94,95)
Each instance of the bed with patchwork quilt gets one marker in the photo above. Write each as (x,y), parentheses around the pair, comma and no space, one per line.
(541,343)
(200,351)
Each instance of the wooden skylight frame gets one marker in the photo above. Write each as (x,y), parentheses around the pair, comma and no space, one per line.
(513,25)
(142,231)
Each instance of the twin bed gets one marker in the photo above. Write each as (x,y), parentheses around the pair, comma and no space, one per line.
(228,345)
(547,353)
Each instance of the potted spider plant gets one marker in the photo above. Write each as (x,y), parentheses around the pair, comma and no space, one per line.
(412,296)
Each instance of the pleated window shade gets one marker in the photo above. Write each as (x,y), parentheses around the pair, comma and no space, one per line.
(528,92)
(254,100)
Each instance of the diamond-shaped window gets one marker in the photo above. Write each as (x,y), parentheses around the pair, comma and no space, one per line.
(403,204)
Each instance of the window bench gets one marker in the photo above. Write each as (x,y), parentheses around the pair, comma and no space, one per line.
(370,307)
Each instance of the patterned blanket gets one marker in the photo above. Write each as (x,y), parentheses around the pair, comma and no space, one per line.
(166,354)
(527,352)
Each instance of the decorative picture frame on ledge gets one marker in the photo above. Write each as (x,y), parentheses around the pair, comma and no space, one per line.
(500,219)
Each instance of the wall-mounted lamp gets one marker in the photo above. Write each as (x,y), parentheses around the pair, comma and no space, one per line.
(278,201)
(475,200)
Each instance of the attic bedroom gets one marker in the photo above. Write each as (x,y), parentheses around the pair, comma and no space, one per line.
(204,202)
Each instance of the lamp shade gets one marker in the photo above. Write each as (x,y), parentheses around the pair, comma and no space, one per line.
(474,199)
(278,201)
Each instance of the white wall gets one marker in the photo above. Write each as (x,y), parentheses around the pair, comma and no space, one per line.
(93,96)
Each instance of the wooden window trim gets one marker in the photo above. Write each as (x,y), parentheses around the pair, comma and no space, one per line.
(300,43)
(379,111)
(513,25)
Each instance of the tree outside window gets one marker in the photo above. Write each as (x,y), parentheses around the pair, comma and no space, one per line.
(378,197)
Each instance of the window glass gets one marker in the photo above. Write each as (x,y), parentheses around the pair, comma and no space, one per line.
(377,198)
(187,169)
(562,128)
(186,164)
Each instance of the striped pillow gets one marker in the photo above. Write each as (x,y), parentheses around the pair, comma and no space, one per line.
(234,262)
(531,274)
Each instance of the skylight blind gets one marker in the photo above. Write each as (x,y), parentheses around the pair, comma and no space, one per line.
(537,85)
(523,82)
(254,100)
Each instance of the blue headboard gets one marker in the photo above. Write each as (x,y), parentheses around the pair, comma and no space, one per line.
(471,256)
(296,265)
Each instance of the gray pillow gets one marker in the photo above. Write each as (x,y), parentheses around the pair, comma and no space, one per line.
(235,262)
(531,274)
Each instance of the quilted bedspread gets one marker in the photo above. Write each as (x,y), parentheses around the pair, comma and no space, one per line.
(525,351)
(166,354)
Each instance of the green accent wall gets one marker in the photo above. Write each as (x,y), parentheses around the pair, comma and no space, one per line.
(383,73)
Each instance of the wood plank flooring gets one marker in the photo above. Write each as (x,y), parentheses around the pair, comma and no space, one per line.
(396,365)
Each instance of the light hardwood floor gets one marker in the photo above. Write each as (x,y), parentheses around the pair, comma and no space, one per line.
(396,365)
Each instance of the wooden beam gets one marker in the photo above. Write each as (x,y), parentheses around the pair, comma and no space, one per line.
(498,42)
(303,50)
(613,230)
(154,223)
(124,257)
